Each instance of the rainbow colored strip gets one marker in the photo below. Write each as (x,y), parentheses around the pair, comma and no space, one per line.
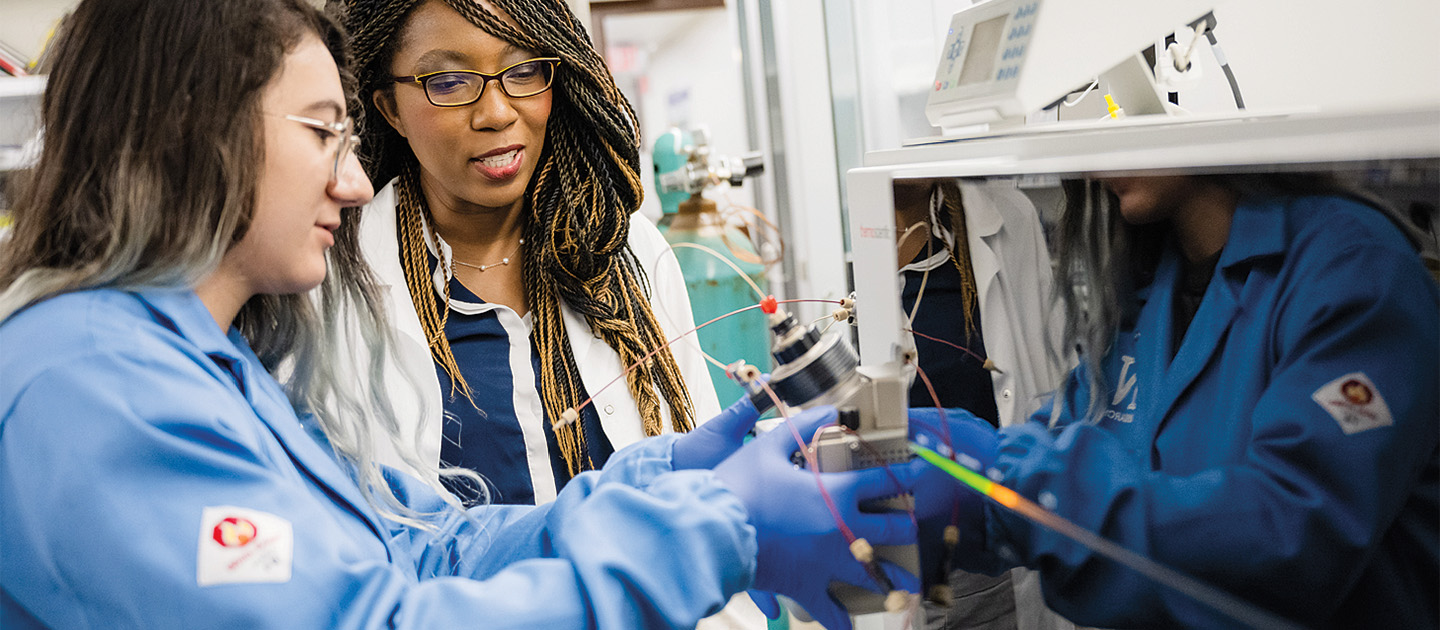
(1002,495)
(1236,608)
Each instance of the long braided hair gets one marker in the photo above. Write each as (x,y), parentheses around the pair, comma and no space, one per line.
(947,212)
(586,186)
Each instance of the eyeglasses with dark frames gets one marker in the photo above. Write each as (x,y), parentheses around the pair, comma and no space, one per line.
(344,131)
(454,88)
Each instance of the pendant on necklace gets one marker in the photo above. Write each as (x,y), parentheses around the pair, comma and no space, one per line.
(503,261)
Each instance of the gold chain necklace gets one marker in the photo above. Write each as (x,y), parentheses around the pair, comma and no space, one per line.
(503,261)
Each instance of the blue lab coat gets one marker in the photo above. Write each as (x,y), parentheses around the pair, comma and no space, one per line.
(128,419)
(1257,460)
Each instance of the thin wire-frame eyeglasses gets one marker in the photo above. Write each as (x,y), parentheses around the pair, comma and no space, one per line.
(456,88)
(343,130)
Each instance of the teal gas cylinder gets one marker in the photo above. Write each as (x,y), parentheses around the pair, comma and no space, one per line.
(715,289)
(672,150)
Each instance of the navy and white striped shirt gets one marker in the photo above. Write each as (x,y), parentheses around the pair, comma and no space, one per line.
(498,435)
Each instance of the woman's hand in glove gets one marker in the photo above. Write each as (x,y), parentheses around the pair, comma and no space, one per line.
(801,548)
(941,501)
(713,441)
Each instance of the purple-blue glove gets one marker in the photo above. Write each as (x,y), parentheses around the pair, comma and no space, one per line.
(942,501)
(974,442)
(766,602)
(711,442)
(801,549)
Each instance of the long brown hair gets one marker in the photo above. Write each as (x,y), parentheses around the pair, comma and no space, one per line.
(579,203)
(152,152)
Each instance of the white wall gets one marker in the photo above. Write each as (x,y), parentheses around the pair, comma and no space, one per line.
(690,53)
(898,44)
(701,59)
(700,56)
(813,184)
(25,23)
(1333,54)
(1287,55)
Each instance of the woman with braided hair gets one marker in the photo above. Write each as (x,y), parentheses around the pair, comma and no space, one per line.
(506,236)
(181,447)
(519,275)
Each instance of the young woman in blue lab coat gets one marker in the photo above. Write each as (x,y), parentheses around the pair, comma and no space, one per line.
(196,181)
(1256,406)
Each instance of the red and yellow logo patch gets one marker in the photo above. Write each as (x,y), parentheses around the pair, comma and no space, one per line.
(1354,402)
(1357,392)
(239,545)
(234,531)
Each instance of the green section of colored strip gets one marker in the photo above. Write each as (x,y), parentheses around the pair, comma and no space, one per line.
(965,475)
(1241,610)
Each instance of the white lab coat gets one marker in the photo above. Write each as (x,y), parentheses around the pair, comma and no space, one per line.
(1012,272)
(1013,283)
(418,405)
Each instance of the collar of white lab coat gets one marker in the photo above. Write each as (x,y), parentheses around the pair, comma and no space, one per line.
(380,245)
(982,218)
(445,272)
(940,257)
(380,242)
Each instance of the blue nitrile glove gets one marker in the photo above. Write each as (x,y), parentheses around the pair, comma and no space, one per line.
(801,549)
(766,602)
(974,442)
(713,441)
(941,500)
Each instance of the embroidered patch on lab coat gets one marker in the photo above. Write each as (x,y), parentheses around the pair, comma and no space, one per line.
(240,545)
(1354,402)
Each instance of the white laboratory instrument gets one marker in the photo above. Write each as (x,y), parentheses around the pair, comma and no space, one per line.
(1004,59)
